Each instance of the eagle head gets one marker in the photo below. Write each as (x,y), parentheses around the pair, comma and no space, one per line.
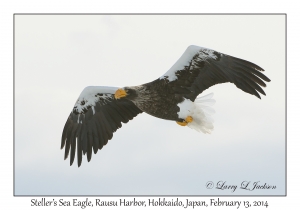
(126,92)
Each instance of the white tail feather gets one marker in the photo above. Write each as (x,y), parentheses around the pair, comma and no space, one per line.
(202,120)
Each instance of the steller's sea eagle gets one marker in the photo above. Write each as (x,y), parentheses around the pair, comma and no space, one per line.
(99,111)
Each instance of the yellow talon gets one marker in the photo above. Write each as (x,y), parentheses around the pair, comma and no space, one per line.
(189,119)
(186,121)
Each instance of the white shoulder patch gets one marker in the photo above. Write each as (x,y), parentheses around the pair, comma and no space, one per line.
(186,58)
(92,94)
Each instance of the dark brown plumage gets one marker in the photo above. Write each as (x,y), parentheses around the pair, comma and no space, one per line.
(96,129)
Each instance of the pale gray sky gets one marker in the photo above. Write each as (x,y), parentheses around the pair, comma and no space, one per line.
(57,56)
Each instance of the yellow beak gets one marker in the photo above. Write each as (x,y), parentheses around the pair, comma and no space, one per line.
(120,93)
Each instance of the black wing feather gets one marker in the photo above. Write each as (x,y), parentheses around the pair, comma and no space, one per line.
(103,130)
(84,138)
(96,141)
(79,146)
(89,145)
(91,129)
(205,71)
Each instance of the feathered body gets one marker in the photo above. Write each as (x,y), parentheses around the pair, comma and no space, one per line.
(153,101)
(99,111)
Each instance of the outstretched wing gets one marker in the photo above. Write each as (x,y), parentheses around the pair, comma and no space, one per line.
(95,117)
(200,68)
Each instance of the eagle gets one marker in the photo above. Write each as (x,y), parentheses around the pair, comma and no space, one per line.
(100,111)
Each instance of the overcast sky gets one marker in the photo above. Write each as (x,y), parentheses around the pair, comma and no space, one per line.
(56,57)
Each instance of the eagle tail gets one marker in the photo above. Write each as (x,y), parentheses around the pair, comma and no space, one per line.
(202,114)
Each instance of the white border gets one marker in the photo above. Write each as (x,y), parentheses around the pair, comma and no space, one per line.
(134,6)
